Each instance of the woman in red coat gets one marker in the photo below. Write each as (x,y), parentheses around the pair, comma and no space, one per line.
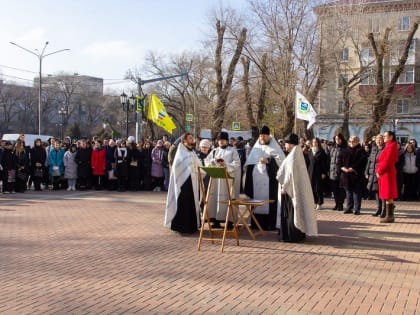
(98,164)
(387,175)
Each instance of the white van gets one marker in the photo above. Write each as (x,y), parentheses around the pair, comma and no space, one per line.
(29,138)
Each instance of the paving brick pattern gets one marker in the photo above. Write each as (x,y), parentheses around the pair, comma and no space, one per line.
(108,253)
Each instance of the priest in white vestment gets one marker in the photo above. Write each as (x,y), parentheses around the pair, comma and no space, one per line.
(182,204)
(261,168)
(227,156)
(296,217)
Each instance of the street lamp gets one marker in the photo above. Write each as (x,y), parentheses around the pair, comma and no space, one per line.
(40,56)
(63,113)
(128,105)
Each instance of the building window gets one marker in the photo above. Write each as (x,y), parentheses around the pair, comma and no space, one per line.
(406,77)
(368,77)
(343,79)
(402,106)
(345,55)
(404,23)
(340,107)
(373,25)
(396,53)
(366,56)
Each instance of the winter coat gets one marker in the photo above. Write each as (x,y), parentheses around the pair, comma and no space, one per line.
(335,156)
(37,155)
(157,155)
(98,160)
(387,172)
(9,160)
(83,160)
(110,158)
(121,162)
(370,170)
(55,158)
(318,166)
(355,158)
(23,161)
(70,171)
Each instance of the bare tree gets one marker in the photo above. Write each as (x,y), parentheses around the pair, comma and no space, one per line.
(194,94)
(224,86)
(284,31)
(384,88)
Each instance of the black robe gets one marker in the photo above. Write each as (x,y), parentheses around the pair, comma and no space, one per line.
(288,231)
(185,220)
(267,221)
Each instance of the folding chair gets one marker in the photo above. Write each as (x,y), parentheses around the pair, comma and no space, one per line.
(217,172)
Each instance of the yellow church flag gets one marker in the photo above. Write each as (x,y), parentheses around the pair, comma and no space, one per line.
(158,114)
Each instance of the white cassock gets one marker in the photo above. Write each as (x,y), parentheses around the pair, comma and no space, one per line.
(260,178)
(185,164)
(294,179)
(218,192)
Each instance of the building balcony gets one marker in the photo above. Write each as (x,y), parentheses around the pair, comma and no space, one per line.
(400,89)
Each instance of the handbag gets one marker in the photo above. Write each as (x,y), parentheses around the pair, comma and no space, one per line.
(111,175)
(56,171)
(11,176)
(21,175)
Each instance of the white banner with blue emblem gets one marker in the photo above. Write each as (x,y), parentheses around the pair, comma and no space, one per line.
(304,110)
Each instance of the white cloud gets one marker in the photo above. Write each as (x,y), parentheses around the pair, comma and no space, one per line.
(116,48)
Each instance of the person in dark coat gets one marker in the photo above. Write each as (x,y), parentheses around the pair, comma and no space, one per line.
(133,160)
(352,166)
(38,156)
(370,173)
(83,160)
(9,163)
(121,166)
(23,170)
(335,156)
(410,166)
(146,158)
(318,170)
(165,165)
(110,165)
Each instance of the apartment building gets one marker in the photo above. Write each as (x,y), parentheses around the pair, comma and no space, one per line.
(343,29)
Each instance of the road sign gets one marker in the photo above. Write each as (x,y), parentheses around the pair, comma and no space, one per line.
(236,125)
(189,117)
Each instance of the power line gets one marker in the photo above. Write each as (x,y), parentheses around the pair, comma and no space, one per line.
(52,75)
(18,69)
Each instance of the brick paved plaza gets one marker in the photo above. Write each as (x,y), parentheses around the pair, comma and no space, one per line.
(108,253)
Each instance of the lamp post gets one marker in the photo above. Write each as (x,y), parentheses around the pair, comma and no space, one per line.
(63,113)
(40,55)
(128,105)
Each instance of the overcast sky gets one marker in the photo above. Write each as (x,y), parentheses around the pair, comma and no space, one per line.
(106,37)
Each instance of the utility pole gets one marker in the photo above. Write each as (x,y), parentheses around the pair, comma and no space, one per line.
(140,83)
(40,56)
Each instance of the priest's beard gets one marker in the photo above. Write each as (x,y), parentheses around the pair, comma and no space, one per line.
(264,142)
(189,147)
(223,146)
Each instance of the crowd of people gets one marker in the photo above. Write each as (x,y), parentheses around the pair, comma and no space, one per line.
(345,170)
(297,174)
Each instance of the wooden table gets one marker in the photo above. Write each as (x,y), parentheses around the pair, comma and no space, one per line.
(248,212)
